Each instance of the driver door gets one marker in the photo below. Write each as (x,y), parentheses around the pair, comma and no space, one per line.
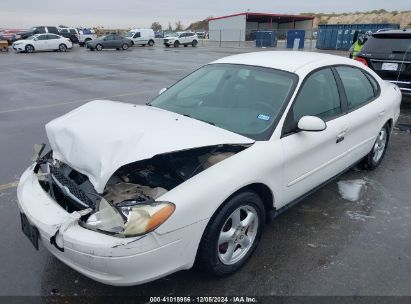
(311,158)
(41,43)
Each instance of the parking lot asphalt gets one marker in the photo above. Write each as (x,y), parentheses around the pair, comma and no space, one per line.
(327,245)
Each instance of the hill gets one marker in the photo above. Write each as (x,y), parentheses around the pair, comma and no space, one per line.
(380,16)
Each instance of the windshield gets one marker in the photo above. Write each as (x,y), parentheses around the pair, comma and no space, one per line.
(171,35)
(243,99)
(130,34)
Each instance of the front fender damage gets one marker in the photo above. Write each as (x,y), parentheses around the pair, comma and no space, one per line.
(142,182)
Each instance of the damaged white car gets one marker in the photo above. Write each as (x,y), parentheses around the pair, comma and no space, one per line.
(130,193)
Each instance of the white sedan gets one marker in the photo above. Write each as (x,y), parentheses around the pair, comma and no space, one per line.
(43,42)
(130,193)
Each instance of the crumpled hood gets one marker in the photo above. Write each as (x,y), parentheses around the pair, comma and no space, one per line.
(99,137)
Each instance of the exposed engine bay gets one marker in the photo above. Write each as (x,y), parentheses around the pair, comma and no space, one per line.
(139,183)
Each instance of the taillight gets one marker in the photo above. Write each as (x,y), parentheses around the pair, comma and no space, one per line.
(362,60)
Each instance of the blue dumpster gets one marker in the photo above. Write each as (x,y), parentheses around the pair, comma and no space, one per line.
(266,38)
(295,34)
(341,36)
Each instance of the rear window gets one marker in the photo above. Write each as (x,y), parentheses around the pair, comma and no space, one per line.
(388,43)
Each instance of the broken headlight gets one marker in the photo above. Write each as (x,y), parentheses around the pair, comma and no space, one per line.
(129,218)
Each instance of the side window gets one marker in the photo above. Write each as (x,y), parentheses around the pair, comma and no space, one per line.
(42,37)
(137,35)
(52,29)
(318,97)
(73,31)
(64,31)
(53,36)
(357,86)
(374,83)
(40,30)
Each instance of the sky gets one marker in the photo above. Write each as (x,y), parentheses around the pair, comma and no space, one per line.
(137,13)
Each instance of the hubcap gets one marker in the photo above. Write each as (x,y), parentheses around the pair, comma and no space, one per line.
(237,235)
(379,146)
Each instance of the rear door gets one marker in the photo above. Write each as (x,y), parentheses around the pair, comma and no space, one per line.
(53,42)
(366,111)
(311,158)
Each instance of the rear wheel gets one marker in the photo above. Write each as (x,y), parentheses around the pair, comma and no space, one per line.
(177,44)
(99,47)
(151,43)
(125,46)
(375,157)
(29,48)
(63,47)
(232,234)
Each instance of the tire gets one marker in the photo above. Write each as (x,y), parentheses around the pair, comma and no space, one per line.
(185,45)
(376,155)
(150,43)
(214,251)
(63,47)
(143,45)
(177,44)
(132,43)
(194,43)
(99,47)
(125,47)
(29,48)
(167,45)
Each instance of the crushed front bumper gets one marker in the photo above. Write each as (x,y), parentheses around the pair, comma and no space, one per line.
(107,259)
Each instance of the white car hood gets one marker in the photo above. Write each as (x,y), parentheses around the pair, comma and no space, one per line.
(99,137)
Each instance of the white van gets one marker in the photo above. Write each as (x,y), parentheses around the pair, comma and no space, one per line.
(141,37)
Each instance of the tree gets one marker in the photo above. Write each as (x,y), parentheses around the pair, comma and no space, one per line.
(179,26)
(169,28)
(156,27)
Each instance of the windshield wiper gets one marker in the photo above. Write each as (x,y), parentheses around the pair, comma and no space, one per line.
(209,122)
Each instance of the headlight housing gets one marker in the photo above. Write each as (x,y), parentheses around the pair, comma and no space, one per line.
(129,218)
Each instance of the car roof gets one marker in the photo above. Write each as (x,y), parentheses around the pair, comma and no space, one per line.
(290,61)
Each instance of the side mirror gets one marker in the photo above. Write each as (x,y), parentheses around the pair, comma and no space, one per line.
(311,124)
(35,39)
(162,91)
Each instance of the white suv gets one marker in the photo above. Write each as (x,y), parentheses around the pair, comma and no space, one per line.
(181,38)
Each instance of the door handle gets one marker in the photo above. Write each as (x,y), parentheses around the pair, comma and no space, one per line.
(381,113)
(340,137)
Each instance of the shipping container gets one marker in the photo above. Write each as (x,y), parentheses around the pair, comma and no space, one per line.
(266,38)
(295,34)
(341,36)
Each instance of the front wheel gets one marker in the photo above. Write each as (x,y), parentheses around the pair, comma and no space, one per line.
(232,234)
(62,48)
(125,46)
(29,48)
(151,43)
(99,47)
(177,44)
(375,157)
(194,44)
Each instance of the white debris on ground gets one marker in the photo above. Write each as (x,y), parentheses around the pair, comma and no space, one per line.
(358,216)
(351,189)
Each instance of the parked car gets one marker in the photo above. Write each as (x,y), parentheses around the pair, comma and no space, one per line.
(85,35)
(111,41)
(43,42)
(159,34)
(129,193)
(388,53)
(8,34)
(36,30)
(141,37)
(70,33)
(181,38)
